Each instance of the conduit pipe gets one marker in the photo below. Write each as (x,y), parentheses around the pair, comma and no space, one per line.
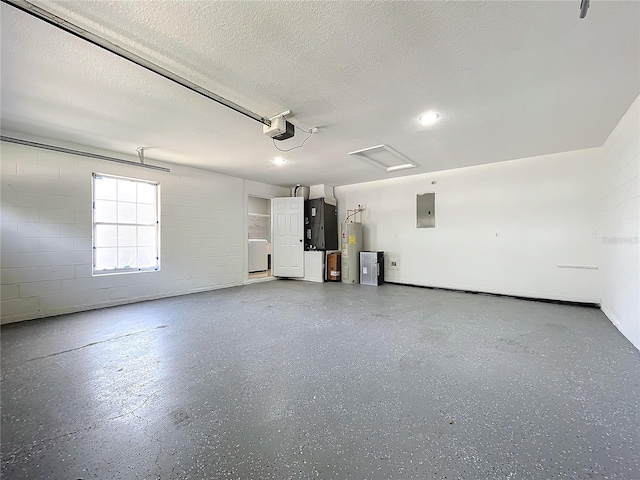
(70,151)
(90,37)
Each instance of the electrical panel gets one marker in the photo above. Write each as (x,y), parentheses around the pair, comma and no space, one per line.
(426,210)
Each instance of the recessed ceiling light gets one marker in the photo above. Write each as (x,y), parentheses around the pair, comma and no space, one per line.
(279,161)
(428,118)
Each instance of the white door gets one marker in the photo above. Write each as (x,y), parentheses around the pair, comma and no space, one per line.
(288,239)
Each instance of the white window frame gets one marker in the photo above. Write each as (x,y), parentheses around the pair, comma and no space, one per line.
(95,224)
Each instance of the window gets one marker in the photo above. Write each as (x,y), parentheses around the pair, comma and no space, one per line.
(126,227)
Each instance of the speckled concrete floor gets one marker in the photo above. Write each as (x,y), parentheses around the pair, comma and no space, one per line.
(300,380)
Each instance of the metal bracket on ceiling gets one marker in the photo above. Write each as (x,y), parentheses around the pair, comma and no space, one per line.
(584,6)
(284,114)
(140,151)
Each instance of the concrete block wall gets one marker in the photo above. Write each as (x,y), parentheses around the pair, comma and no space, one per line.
(620,230)
(46,249)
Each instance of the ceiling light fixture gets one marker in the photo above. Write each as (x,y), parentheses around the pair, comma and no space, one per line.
(428,118)
(279,161)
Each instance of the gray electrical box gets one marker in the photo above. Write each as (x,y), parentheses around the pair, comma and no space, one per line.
(371,268)
(426,210)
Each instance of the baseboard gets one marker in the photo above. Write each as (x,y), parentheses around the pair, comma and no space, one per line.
(618,324)
(111,303)
(519,297)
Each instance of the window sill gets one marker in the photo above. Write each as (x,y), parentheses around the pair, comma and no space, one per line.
(122,271)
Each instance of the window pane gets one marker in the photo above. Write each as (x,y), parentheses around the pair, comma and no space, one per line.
(105,258)
(147,236)
(126,212)
(147,257)
(147,214)
(126,191)
(146,193)
(126,236)
(107,236)
(127,257)
(105,211)
(126,226)
(104,188)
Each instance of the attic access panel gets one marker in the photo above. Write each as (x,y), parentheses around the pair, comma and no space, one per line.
(385,157)
(426,211)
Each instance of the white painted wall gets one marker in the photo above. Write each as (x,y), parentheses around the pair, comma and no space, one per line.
(500,228)
(46,234)
(620,246)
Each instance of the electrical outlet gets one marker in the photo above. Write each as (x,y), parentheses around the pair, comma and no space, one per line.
(394,264)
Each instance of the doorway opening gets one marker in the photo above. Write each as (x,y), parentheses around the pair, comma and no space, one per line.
(259,241)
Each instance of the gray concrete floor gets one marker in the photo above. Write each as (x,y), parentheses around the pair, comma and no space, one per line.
(301,380)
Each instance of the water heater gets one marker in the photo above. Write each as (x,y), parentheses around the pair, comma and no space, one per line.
(351,245)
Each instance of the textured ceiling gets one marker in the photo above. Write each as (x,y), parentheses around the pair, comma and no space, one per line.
(510,80)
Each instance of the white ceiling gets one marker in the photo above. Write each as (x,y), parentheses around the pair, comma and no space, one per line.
(510,80)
